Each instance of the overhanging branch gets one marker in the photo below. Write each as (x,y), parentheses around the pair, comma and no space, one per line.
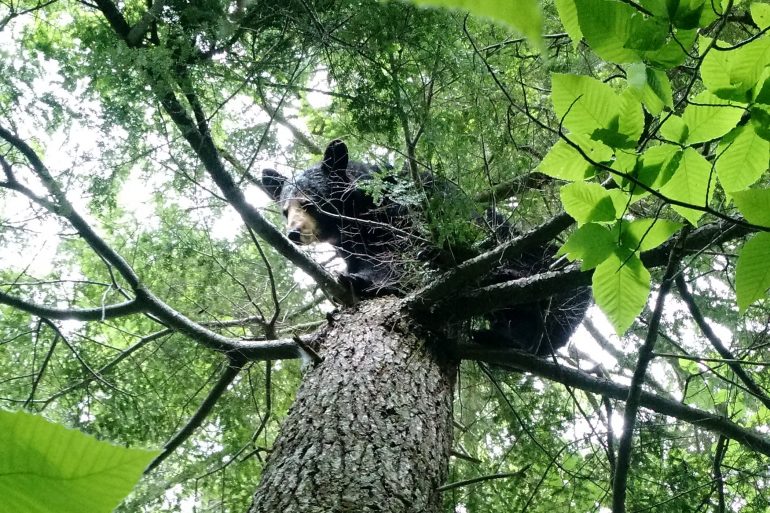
(606,388)
(77,314)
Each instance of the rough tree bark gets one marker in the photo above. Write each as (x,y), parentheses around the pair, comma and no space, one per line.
(371,427)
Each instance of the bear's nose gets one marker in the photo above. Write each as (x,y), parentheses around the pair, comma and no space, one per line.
(294,236)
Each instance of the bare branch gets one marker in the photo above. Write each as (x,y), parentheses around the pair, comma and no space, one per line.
(144,297)
(78,314)
(723,351)
(572,377)
(229,373)
(623,460)
(481,479)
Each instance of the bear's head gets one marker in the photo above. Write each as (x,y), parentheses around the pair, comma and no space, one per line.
(313,201)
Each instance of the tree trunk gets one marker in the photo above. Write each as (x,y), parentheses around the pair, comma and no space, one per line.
(371,427)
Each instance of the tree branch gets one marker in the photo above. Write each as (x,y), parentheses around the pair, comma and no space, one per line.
(548,370)
(625,442)
(144,296)
(229,373)
(78,314)
(137,32)
(504,190)
(473,269)
(725,353)
(441,299)
(204,147)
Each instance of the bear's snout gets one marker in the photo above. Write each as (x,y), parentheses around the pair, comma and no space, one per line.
(301,226)
(295,236)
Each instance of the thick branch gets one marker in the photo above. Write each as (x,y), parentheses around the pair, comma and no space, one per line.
(77,314)
(137,32)
(201,143)
(204,147)
(472,269)
(469,304)
(504,190)
(606,388)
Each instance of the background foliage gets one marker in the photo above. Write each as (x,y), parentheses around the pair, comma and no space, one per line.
(636,118)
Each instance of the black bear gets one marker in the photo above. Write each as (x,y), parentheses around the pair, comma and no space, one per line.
(327,203)
(540,327)
(330,203)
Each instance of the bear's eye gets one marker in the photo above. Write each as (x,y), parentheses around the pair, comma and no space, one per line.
(285,212)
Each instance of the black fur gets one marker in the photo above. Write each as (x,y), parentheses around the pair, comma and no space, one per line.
(541,327)
(372,238)
(347,217)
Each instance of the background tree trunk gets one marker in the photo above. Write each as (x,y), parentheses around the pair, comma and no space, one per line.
(371,427)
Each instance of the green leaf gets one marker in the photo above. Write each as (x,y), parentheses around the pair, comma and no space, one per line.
(651,86)
(590,202)
(47,468)
(606,26)
(760,13)
(732,74)
(674,129)
(588,106)
(646,234)
(523,15)
(583,103)
(569,18)
(687,13)
(674,52)
(691,183)
(647,33)
(752,272)
(754,204)
(742,158)
(566,163)
(593,243)
(761,92)
(651,170)
(631,120)
(709,117)
(621,286)
(760,120)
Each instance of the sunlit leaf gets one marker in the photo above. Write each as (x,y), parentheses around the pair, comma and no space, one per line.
(590,202)
(523,15)
(592,243)
(742,158)
(674,129)
(709,117)
(752,274)
(569,18)
(621,287)
(565,162)
(606,26)
(754,204)
(691,183)
(646,234)
(732,74)
(582,103)
(47,468)
(760,13)
(651,86)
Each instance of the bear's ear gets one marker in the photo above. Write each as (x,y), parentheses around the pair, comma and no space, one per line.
(272,183)
(335,158)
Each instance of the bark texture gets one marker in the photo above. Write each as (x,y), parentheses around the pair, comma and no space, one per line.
(371,427)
